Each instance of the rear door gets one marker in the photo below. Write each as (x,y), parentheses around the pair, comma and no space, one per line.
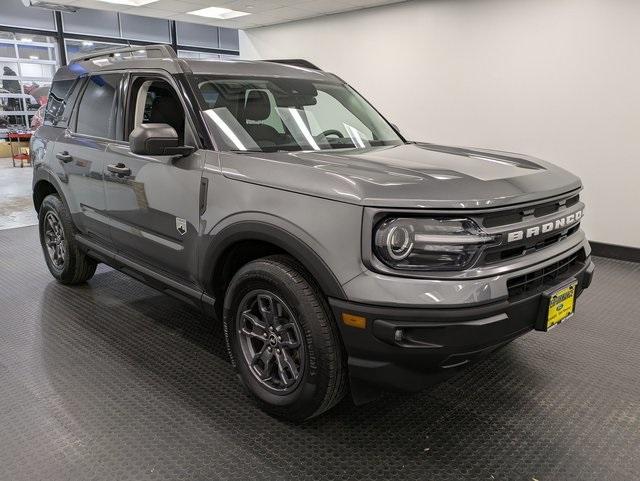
(153,202)
(82,150)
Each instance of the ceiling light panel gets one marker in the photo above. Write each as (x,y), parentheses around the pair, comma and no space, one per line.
(218,12)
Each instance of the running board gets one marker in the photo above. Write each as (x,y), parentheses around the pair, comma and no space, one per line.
(148,276)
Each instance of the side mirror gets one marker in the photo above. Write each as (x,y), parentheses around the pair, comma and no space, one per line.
(157,139)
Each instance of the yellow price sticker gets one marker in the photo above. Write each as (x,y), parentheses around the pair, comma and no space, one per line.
(561,304)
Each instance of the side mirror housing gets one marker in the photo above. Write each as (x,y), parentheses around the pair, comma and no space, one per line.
(157,139)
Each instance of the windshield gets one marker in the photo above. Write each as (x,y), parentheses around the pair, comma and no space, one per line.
(269,115)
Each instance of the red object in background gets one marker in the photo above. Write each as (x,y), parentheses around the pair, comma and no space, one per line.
(19,137)
(38,118)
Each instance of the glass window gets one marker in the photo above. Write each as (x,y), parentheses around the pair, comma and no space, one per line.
(12,122)
(197,35)
(321,117)
(11,104)
(198,55)
(8,69)
(25,75)
(37,70)
(92,22)
(291,114)
(78,48)
(150,29)
(37,93)
(37,52)
(96,113)
(7,50)
(58,96)
(15,14)
(10,82)
(229,39)
(156,102)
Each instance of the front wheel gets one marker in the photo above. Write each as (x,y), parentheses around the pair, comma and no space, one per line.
(282,339)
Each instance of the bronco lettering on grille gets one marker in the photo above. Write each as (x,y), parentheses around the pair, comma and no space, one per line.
(545,228)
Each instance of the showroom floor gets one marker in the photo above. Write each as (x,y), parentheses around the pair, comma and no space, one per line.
(16,205)
(113,380)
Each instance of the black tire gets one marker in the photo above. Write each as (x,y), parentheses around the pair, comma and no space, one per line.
(320,362)
(69,265)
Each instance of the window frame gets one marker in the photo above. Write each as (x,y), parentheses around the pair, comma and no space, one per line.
(73,121)
(128,106)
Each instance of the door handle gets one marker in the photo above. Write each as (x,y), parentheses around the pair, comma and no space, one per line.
(120,169)
(64,157)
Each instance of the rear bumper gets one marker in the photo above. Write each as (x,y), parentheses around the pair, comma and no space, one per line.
(434,342)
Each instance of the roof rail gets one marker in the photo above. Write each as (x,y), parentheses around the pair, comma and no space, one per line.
(296,62)
(163,51)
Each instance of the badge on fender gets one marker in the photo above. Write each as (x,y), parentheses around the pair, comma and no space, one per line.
(181,225)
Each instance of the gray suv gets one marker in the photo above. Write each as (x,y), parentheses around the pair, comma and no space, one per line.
(338,255)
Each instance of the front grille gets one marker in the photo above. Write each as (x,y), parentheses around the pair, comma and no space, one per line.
(518,215)
(527,215)
(540,279)
(503,253)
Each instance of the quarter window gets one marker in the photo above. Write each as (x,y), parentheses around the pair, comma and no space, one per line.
(58,96)
(97,110)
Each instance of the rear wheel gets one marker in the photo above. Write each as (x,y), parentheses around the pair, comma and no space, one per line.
(282,339)
(64,259)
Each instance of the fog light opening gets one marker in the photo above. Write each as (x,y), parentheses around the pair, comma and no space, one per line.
(399,335)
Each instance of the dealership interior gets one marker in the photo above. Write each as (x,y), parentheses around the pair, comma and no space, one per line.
(411,314)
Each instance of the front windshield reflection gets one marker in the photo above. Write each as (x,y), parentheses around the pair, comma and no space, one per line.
(268,115)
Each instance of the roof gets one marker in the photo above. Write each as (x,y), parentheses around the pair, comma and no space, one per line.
(163,57)
(257,68)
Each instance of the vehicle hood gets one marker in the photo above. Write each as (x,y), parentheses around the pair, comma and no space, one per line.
(408,176)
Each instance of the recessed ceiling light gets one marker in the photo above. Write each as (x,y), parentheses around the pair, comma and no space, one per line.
(26,39)
(218,12)
(132,3)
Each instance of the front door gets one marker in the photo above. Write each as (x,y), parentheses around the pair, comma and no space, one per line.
(153,201)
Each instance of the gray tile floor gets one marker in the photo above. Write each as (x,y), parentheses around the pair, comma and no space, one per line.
(16,206)
(115,381)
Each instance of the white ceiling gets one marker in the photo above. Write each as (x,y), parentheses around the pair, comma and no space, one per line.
(263,12)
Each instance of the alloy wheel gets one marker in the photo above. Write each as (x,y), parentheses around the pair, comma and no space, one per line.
(54,239)
(271,341)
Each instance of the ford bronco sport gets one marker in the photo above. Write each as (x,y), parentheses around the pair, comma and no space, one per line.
(338,255)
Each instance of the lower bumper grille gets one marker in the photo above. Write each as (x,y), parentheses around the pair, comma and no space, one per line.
(540,279)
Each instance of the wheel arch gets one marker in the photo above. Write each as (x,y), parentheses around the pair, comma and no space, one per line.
(44,184)
(250,239)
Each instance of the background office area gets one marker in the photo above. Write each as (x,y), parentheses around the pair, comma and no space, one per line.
(115,381)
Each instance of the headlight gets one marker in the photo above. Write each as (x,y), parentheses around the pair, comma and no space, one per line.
(429,244)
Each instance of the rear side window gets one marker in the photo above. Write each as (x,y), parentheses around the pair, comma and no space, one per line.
(56,113)
(97,109)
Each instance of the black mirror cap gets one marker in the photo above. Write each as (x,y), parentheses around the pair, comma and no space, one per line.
(156,139)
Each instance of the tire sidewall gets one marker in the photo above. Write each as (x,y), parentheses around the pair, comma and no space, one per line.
(310,391)
(53,204)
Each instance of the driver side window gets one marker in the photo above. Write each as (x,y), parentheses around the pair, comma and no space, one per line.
(155,101)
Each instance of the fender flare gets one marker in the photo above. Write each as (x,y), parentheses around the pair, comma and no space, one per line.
(44,174)
(247,230)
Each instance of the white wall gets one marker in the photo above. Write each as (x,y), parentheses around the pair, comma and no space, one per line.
(558,79)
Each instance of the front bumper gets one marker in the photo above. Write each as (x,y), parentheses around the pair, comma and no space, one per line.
(434,341)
